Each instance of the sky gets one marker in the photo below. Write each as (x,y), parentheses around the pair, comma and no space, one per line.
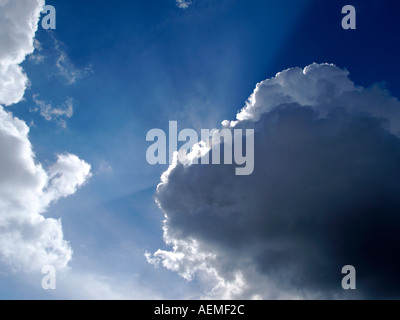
(76,189)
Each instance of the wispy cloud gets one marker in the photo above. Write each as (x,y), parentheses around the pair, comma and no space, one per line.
(65,66)
(57,113)
(37,57)
(55,53)
(183,4)
(67,69)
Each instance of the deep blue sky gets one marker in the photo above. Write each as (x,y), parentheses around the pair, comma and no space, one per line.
(152,62)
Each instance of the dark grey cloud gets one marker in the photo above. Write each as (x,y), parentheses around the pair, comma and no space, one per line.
(324,194)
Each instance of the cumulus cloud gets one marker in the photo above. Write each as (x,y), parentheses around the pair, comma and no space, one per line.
(18,21)
(324,194)
(28,239)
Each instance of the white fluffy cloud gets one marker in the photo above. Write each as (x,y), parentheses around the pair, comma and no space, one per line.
(324,194)
(28,240)
(323,88)
(18,21)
